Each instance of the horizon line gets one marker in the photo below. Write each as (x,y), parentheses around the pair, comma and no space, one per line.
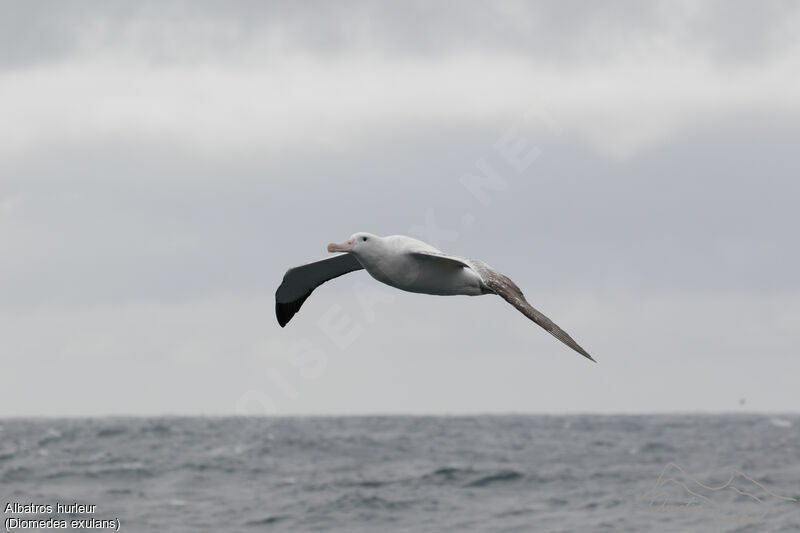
(497,414)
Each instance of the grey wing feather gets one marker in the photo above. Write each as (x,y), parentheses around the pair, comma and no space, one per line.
(508,290)
(299,282)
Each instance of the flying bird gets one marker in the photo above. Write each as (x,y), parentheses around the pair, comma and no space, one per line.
(411,265)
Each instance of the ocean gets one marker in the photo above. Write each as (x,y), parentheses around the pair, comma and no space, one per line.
(732,473)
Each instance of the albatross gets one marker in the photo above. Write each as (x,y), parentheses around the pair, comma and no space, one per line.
(410,265)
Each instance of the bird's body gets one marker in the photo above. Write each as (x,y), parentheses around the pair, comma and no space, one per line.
(411,265)
(393,260)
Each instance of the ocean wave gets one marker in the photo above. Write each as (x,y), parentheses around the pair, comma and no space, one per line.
(514,513)
(18,473)
(265,521)
(603,444)
(366,483)
(119,492)
(157,428)
(8,452)
(657,446)
(470,477)
(116,472)
(361,501)
(52,435)
(555,501)
(111,432)
(502,476)
(780,422)
(217,466)
(447,473)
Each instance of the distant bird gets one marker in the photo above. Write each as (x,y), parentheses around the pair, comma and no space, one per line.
(410,265)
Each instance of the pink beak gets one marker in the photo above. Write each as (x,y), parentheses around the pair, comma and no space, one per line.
(343,247)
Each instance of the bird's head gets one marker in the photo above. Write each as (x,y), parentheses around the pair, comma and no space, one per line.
(357,243)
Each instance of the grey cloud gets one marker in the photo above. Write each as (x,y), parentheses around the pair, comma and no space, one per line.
(553,31)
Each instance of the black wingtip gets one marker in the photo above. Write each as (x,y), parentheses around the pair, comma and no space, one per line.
(285,311)
(282,314)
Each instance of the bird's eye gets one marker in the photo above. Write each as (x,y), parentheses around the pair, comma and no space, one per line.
(363,238)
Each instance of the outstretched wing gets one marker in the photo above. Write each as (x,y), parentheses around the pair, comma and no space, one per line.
(508,290)
(299,282)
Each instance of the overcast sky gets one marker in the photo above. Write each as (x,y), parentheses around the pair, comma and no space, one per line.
(633,166)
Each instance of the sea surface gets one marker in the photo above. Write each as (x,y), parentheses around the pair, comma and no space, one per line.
(485,473)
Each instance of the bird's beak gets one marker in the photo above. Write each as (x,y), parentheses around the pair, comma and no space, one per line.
(346,246)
